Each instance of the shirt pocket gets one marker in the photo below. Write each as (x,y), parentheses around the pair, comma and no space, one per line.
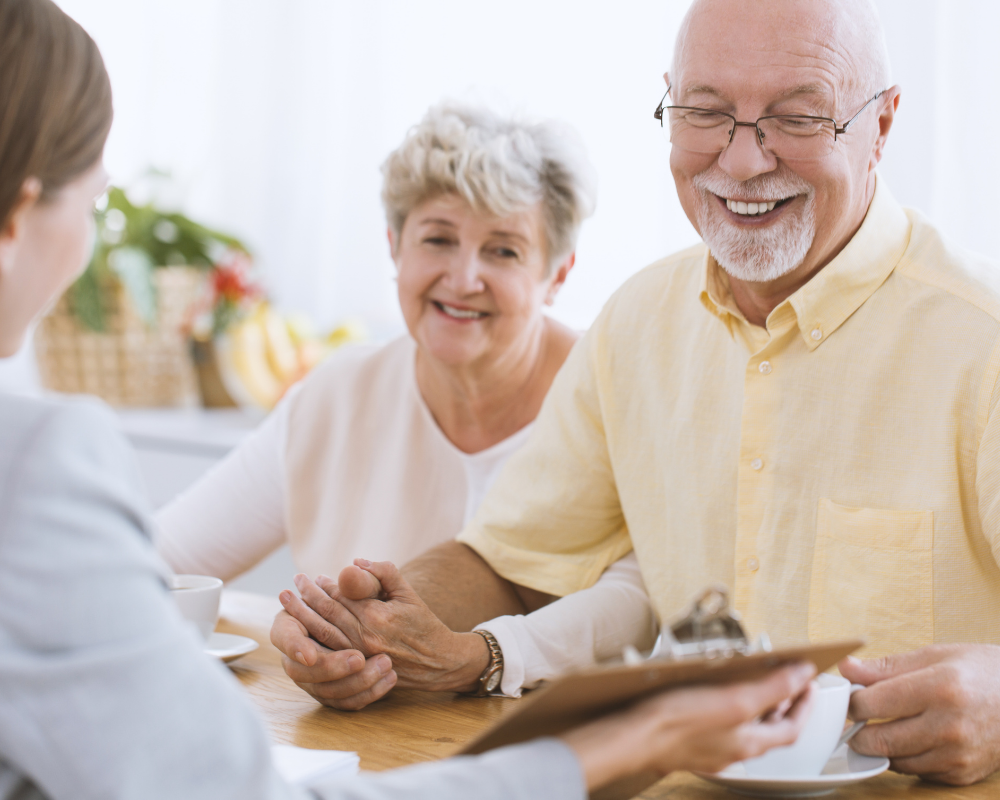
(873,576)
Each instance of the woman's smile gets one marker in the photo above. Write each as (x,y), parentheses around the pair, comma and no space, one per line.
(457,313)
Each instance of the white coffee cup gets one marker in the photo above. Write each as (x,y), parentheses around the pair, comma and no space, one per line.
(823,731)
(197,597)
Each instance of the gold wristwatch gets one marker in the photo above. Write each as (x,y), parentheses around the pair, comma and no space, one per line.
(489,681)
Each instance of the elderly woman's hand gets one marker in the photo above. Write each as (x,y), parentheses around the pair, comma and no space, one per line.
(374,613)
(339,678)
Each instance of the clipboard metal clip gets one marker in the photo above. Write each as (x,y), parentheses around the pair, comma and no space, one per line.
(711,629)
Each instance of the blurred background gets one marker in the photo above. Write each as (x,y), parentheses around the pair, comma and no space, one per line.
(272,119)
(248,137)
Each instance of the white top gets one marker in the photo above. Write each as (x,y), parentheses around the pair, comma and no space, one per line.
(105,692)
(352,464)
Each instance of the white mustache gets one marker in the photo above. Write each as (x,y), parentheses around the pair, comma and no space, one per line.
(756,254)
(772,186)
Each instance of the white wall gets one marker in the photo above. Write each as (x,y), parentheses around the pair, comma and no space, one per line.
(275,115)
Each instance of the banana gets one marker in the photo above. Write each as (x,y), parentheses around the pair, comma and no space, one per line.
(281,353)
(244,365)
(351,330)
(265,353)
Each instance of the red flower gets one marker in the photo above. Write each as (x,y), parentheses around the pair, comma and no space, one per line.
(231,279)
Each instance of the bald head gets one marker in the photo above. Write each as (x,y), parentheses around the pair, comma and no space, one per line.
(844,35)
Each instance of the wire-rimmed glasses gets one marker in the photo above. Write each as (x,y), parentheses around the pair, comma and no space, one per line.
(792,137)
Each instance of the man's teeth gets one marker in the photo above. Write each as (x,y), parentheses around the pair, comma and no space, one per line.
(750,209)
(461,313)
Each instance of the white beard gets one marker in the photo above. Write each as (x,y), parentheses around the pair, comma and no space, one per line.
(757,254)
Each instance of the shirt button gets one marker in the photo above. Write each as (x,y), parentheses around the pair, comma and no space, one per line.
(816,334)
(757,464)
(765,367)
(752,564)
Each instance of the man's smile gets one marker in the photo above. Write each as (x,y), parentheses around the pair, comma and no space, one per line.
(758,209)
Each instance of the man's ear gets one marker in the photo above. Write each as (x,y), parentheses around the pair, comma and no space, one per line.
(12,230)
(888,103)
(559,278)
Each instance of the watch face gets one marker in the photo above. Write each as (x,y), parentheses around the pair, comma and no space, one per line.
(494,680)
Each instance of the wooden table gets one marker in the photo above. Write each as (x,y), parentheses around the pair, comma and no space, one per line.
(410,726)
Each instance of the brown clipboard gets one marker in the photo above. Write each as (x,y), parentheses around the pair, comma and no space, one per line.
(579,697)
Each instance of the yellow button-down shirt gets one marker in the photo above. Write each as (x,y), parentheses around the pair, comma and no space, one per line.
(839,470)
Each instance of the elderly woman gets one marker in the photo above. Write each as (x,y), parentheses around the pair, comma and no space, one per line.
(387,450)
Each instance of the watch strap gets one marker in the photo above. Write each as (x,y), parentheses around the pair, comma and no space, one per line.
(489,681)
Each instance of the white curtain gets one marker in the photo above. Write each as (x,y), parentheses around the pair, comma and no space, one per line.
(273,116)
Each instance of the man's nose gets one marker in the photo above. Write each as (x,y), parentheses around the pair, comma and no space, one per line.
(745,158)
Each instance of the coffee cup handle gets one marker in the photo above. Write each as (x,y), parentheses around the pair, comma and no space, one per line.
(857,726)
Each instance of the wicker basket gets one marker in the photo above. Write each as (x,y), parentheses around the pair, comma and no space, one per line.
(129,364)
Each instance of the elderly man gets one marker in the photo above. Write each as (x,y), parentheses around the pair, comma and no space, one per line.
(804,409)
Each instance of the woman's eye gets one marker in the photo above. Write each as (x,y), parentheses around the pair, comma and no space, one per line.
(439,241)
(505,252)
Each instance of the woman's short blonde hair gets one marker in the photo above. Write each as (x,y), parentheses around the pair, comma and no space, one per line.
(499,165)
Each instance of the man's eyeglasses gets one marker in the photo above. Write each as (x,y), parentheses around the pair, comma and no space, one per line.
(791,137)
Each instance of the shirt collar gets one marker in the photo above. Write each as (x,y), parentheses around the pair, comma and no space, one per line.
(823,304)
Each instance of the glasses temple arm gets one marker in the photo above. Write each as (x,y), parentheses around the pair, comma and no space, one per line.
(850,122)
(658,114)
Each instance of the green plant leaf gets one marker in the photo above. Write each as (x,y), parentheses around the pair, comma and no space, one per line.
(85,301)
(132,241)
(134,269)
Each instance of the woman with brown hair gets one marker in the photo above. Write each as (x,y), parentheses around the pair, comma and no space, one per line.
(104,690)
(56,117)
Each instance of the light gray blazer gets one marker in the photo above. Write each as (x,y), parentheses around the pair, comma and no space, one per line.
(104,690)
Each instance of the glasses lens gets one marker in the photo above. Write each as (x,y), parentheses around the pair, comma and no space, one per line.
(801,138)
(698,130)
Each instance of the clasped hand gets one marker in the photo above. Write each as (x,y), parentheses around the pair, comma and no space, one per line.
(348,643)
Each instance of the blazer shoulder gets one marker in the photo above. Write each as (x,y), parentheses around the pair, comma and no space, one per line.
(73,434)
(31,423)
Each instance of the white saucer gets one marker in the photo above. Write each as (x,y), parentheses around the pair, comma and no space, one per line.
(844,767)
(228,647)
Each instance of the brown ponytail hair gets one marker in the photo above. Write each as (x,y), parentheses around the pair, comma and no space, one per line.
(55,99)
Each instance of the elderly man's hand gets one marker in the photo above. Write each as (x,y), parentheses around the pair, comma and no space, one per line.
(944,705)
(374,612)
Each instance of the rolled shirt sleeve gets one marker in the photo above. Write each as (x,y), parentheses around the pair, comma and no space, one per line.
(988,455)
(553,521)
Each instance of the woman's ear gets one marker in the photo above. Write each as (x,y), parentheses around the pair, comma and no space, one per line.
(12,230)
(559,278)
